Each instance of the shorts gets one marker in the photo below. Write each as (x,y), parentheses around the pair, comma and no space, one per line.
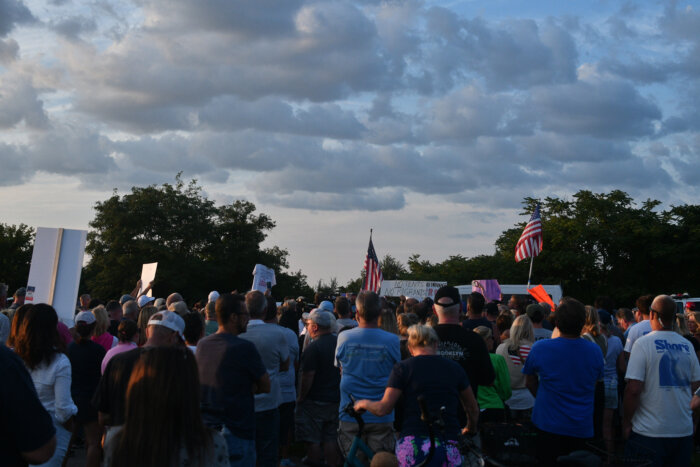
(611,395)
(316,422)
(412,450)
(377,436)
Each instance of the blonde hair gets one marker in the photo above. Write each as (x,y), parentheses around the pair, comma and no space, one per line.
(387,321)
(142,323)
(420,335)
(592,325)
(102,320)
(521,332)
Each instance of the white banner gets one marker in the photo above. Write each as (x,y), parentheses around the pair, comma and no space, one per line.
(54,275)
(415,289)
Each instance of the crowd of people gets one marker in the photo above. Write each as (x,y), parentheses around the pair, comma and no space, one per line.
(244,380)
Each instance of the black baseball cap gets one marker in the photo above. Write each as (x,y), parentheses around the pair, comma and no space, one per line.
(449,292)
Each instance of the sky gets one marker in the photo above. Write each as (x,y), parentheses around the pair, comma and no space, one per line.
(427,121)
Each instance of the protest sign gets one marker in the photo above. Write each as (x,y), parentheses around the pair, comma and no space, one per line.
(54,274)
(263,278)
(415,289)
(148,274)
(489,288)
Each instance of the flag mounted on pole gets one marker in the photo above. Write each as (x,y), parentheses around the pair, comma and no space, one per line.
(530,243)
(373,272)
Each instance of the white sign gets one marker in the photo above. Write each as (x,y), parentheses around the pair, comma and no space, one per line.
(148,273)
(415,289)
(263,278)
(54,275)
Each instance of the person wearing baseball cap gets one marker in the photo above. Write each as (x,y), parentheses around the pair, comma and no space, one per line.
(145,300)
(165,329)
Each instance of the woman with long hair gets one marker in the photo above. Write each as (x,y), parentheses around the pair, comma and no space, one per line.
(163,424)
(17,319)
(515,350)
(592,330)
(40,347)
(100,334)
(442,383)
(144,315)
(387,321)
(85,359)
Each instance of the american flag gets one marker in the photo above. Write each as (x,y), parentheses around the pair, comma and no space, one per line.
(530,243)
(373,273)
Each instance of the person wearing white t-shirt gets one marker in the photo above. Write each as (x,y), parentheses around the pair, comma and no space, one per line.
(662,374)
(642,328)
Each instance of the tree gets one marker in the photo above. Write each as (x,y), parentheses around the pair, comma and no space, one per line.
(16,246)
(199,247)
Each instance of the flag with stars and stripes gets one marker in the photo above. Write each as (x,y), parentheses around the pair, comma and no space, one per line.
(373,272)
(530,243)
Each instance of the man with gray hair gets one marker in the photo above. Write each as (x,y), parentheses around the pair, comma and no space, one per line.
(271,344)
(366,356)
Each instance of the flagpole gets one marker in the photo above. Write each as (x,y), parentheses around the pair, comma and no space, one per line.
(532,260)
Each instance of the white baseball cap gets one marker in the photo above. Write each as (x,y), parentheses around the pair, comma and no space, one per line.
(170,320)
(86,317)
(213,296)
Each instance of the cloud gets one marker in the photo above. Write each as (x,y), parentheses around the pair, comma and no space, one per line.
(19,102)
(371,200)
(13,12)
(73,27)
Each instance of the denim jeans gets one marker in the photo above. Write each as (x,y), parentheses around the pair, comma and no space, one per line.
(62,440)
(267,430)
(660,451)
(241,452)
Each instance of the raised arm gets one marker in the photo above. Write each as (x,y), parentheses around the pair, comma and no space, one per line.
(384,406)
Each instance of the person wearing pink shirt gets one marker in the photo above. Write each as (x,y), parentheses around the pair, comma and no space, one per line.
(128,333)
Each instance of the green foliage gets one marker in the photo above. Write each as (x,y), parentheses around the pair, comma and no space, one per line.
(16,245)
(199,247)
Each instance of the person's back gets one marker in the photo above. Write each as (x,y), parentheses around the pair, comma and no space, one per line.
(26,429)
(271,343)
(468,350)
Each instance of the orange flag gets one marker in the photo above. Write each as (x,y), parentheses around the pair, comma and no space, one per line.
(540,295)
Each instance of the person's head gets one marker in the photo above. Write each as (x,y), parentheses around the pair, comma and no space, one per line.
(19,296)
(422,336)
(114,310)
(125,298)
(662,313)
(16,324)
(128,331)
(682,324)
(514,303)
(643,304)
(232,314)
(447,305)
(271,310)
(165,329)
(592,325)
(145,300)
(130,310)
(625,317)
(475,304)
(173,298)
(256,303)
(288,319)
(405,321)
(387,321)
(162,412)
(571,316)
(319,323)
(604,303)
(504,321)
(85,301)
(342,308)
(101,320)
(491,311)
(487,335)
(85,323)
(535,312)
(38,340)
(521,332)
(213,296)
(694,322)
(368,306)
(142,322)
(180,308)
(194,328)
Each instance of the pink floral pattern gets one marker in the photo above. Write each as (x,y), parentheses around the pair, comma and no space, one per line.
(411,450)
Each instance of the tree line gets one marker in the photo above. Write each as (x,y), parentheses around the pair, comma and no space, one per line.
(594,244)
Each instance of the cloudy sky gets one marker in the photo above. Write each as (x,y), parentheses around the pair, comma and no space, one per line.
(428,121)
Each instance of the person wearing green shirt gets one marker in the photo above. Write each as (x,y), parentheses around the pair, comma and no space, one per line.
(491,398)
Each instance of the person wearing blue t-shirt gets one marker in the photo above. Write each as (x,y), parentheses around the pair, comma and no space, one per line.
(366,356)
(562,374)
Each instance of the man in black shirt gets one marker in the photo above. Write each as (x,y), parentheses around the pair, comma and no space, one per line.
(27,433)
(319,391)
(460,344)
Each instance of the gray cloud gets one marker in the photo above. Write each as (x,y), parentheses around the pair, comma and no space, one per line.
(371,200)
(19,102)
(13,12)
(72,27)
